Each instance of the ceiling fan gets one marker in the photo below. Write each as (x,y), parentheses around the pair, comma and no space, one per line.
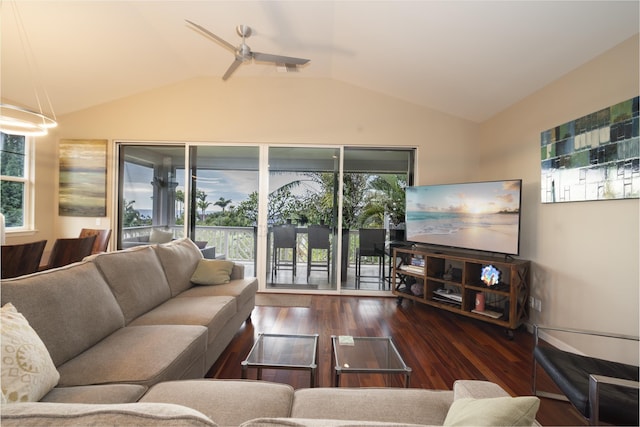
(243,52)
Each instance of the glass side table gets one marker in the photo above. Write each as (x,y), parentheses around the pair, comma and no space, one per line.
(371,355)
(283,351)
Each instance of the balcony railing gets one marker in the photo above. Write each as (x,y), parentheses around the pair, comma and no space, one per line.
(238,243)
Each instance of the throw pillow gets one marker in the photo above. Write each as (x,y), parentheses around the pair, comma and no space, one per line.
(28,373)
(212,272)
(160,236)
(497,411)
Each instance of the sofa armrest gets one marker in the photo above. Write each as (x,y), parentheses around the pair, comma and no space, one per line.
(237,272)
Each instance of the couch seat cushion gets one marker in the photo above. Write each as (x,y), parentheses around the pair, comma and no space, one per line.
(142,355)
(104,393)
(127,414)
(243,290)
(211,312)
(136,278)
(394,405)
(226,402)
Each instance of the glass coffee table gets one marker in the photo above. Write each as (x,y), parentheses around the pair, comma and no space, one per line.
(283,351)
(370,355)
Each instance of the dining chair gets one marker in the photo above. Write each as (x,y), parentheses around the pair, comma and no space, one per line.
(371,245)
(102,238)
(21,259)
(69,250)
(318,239)
(284,237)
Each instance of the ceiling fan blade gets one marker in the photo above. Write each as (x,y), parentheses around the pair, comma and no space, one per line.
(209,34)
(234,65)
(279,59)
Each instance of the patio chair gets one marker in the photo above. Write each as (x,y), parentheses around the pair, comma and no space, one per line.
(318,240)
(284,237)
(601,390)
(371,245)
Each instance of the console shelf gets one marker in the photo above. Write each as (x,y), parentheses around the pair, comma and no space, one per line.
(451,281)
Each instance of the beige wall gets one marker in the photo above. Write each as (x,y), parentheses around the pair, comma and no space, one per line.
(585,255)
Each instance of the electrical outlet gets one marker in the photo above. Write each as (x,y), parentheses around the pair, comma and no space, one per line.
(537,305)
(532,302)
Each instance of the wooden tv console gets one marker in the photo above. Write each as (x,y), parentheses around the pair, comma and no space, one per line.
(451,281)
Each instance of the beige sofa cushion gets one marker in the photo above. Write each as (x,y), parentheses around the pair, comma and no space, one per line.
(136,278)
(103,393)
(179,259)
(127,414)
(211,312)
(143,355)
(70,308)
(244,290)
(28,373)
(393,405)
(226,402)
(305,422)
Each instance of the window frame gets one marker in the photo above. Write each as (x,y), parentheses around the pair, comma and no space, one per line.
(29,185)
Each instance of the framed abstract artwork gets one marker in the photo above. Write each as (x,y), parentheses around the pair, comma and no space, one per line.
(595,157)
(83,178)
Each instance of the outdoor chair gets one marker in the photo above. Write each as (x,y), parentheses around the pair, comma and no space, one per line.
(601,390)
(21,259)
(67,251)
(102,238)
(372,241)
(284,237)
(318,239)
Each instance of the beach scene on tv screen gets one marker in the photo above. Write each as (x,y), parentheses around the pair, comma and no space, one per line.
(483,215)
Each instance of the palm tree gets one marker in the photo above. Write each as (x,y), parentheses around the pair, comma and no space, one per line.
(222,202)
(202,203)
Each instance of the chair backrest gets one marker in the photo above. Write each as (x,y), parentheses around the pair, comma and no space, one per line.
(67,251)
(372,241)
(18,260)
(284,236)
(102,238)
(318,237)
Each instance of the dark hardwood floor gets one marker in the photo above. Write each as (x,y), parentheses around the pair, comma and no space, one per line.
(439,346)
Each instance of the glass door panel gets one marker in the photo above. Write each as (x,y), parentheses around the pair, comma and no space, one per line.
(302,218)
(373,205)
(148,183)
(224,199)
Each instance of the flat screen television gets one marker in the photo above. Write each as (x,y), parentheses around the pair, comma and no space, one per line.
(482,216)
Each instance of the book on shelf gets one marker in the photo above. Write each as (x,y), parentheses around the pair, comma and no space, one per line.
(443,293)
(489,313)
(447,300)
(412,269)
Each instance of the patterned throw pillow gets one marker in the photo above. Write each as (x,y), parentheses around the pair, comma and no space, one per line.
(28,373)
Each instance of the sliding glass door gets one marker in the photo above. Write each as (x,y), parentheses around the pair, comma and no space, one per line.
(294,216)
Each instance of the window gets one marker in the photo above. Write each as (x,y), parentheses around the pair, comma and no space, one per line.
(15,184)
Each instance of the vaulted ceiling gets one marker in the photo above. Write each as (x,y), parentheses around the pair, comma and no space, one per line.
(471,59)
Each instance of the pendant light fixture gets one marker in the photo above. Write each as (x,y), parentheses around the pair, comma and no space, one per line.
(17,120)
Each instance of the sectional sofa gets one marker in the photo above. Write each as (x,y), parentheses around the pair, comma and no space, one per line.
(125,338)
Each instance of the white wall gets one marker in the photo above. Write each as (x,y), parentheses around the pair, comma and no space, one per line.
(253,110)
(585,254)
